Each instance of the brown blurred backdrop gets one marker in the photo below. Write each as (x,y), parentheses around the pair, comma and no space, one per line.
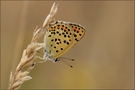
(104,58)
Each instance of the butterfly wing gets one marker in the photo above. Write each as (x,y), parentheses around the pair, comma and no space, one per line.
(78,32)
(61,36)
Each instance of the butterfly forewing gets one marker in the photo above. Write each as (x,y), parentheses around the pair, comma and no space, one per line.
(78,32)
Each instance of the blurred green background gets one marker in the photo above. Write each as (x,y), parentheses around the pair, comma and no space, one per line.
(104,58)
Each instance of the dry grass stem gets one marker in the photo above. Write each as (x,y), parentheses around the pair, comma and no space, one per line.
(28,61)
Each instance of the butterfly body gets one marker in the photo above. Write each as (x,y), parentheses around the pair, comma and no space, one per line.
(60,37)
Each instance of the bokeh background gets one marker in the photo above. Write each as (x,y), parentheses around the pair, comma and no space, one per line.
(104,58)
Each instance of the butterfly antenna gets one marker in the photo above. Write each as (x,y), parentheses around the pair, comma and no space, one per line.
(67,63)
(67,58)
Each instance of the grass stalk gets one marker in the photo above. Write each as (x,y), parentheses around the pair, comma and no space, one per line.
(28,62)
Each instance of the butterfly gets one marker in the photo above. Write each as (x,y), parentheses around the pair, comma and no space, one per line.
(60,37)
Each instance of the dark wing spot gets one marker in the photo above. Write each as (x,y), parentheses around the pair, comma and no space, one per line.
(57,43)
(77,31)
(52,40)
(57,51)
(62,25)
(68,29)
(70,33)
(52,32)
(76,39)
(49,35)
(57,32)
(54,46)
(61,28)
(56,22)
(51,45)
(68,36)
(80,34)
(65,35)
(61,48)
(75,35)
(55,39)
(64,41)
(59,39)
(69,39)
(67,43)
(66,32)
